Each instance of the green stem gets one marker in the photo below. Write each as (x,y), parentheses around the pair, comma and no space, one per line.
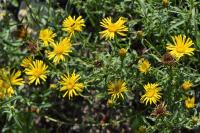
(122,65)
(170,87)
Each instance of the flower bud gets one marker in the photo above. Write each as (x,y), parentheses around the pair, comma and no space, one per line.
(165,3)
(122,52)
(142,129)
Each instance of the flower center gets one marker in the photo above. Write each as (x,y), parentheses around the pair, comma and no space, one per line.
(180,49)
(150,93)
(144,66)
(37,73)
(45,36)
(112,28)
(70,85)
(59,50)
(118,87)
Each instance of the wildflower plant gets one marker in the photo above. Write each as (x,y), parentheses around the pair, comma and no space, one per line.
(93,66)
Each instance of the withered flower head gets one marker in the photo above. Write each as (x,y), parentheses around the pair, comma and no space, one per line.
(104,119)
(160,110)
(21,32)
(32,47)
(168,59)
(98,63)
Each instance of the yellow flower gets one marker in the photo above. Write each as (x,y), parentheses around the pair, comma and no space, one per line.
(122,52)
(7,80)
(60,50)
(143,65)
(10,91)
(181,46)
(36,71)
(71,25)
(47,35)
(116,89)
(152,93)
(113,28)
(14,78)
(70,85)
(5,87)
(26,61)
(189,102)
(186,85)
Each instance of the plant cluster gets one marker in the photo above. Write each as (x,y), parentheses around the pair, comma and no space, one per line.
(89,66)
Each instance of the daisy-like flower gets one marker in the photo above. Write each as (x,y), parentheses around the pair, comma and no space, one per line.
(72,25)
(152,93)
(47,35)
(186,85)
(36,71)
(143,65)
(7,80)
(60,50)
(112,28)
(26,61)
(117,89)
(181,47)
(14,78)
(70,85)
(189,102)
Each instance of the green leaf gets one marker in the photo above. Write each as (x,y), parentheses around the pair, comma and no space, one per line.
(17,121)
(198,40)
(10,100)
(175,25)
(15,3)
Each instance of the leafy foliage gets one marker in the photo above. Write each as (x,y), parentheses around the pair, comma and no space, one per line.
(150,23)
